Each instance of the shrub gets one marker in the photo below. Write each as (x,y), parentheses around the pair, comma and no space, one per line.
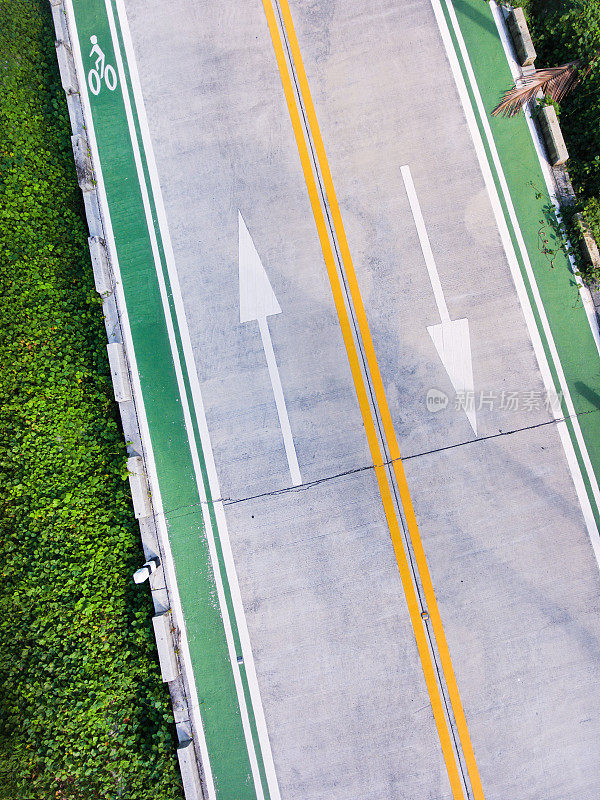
(83,713)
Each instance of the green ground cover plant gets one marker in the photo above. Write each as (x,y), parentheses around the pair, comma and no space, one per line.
(562,31)
(83,712)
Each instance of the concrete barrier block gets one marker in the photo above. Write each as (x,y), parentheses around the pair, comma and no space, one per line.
(555,144)
(188,766)
(588,245)
(102,278)
(83,163)
(160,598)
(59,19)
(92,213)
(129,421)
(75,113)
(66,68)
(140,495)
(169,667)
(521,37)
(183,725)
(119,372)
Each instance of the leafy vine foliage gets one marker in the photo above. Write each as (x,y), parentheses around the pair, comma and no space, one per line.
(83,713)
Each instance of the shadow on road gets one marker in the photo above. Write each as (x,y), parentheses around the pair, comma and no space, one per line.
(589,394)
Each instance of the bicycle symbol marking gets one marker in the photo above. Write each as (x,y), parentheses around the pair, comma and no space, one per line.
(102,71)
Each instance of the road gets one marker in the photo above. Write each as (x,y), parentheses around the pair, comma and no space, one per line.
(383,530)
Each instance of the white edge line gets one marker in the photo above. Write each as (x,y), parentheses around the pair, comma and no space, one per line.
(516,272)
(195,714)
(200,416)
(586,295)
(185,406)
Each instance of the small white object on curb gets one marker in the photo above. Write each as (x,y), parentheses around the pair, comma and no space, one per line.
(119,372)
(169,668)
(143,573)
(139,487)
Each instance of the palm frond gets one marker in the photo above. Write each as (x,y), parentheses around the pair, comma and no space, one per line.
(555,82)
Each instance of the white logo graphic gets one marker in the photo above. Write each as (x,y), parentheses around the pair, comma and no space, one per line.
(436,400)
(102,72)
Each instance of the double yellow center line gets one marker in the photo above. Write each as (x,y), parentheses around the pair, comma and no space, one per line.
(383,479)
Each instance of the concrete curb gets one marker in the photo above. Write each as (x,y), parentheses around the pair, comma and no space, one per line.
(555,143)
(166,625)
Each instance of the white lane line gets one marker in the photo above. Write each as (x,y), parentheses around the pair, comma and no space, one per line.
(187,417)
(432,269)
(516,272)
(586,296)
(196,717)
(257,302)
(284,420)
(205,441)
(451,337)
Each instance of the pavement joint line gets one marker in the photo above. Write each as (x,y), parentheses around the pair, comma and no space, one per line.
(307,485)
(101,225)
(502,220)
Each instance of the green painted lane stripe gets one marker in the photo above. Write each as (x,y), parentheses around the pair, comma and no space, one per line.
(188,392)
(560,297)
(174,465)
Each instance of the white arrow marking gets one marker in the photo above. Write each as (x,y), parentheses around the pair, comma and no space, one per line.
(257,302)
(450,337)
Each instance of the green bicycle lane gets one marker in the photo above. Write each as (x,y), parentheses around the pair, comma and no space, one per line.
(568,323)
(233,749)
